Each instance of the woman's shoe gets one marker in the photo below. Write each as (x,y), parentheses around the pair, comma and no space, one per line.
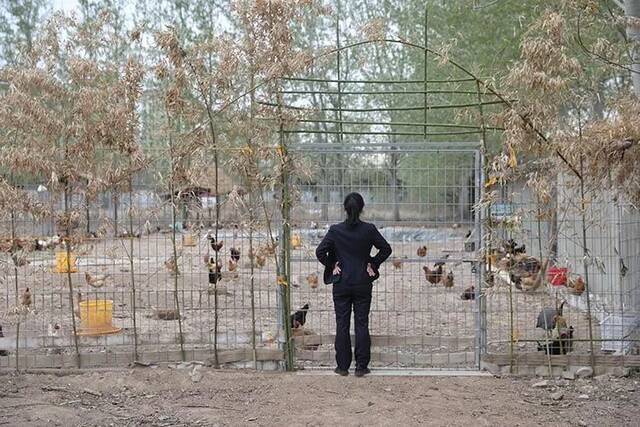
(362,372)
(341,372)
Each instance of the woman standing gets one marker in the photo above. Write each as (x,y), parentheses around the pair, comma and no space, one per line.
(346,254)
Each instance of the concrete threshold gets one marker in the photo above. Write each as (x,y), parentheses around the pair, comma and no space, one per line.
(396,372)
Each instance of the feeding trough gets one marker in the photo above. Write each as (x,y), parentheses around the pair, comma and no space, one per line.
(188,240)
(96,317)
(62,266)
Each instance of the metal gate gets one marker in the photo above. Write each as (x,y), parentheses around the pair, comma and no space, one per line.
(422,197)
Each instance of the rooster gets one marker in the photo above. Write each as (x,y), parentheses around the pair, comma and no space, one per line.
(397,264)
(95,281)
(235,254)
(216,246)
(433,276)
(299,318)
(422,251)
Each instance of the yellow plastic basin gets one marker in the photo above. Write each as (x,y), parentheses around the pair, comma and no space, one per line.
(61,262)
(96,317)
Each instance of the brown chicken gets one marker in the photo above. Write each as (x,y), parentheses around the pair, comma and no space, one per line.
(447,280)
(95,281)
(312,280)
(433,276)
(576,286)
(397,264)
(172,264)
(261,260)
(422,251)
(233,265)
(25,299)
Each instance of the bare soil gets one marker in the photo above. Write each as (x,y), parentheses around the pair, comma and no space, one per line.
(170,397)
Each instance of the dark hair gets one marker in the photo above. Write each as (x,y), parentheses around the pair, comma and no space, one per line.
(353,205)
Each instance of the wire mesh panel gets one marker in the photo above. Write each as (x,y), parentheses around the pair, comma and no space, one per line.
(162,246)
(422,201)
(585,303)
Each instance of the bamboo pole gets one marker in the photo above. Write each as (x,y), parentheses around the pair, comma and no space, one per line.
(67,243)
(132,266)
(173,244)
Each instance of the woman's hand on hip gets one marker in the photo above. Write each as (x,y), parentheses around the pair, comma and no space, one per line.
(336,269)
(370,270)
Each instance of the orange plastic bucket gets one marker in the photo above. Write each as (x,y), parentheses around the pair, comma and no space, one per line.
(61,262)
(96,317)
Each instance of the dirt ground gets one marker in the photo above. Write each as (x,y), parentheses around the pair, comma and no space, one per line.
(180,397)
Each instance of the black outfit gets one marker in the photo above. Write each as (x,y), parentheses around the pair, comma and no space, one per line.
(350,245)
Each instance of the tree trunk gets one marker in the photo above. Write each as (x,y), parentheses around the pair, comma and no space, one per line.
(632,11)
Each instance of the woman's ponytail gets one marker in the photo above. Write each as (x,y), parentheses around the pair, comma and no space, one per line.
(353,205)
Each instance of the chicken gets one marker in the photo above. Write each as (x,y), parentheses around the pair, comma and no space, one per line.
(433,276)
(312,280)
(576,286)
(619,147)
(422,251)
(96,281)
(215,271)
(235,254)
(25,299)
(233,265)
(54,330)
(397,264)
(469,294)
(447,281)
(172,264)
(3,352)
(261,260)
(171,314)
(20,258)
(216,246)
(269,249)
(561,345)
(527,281)
(511,247)
(299,318)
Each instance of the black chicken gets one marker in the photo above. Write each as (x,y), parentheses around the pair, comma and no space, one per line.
(469,294)
(561,345)
(299,317)
(215,271)
(216,246)
(235,254)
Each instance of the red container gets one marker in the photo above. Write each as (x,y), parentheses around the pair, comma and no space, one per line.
(557,276)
